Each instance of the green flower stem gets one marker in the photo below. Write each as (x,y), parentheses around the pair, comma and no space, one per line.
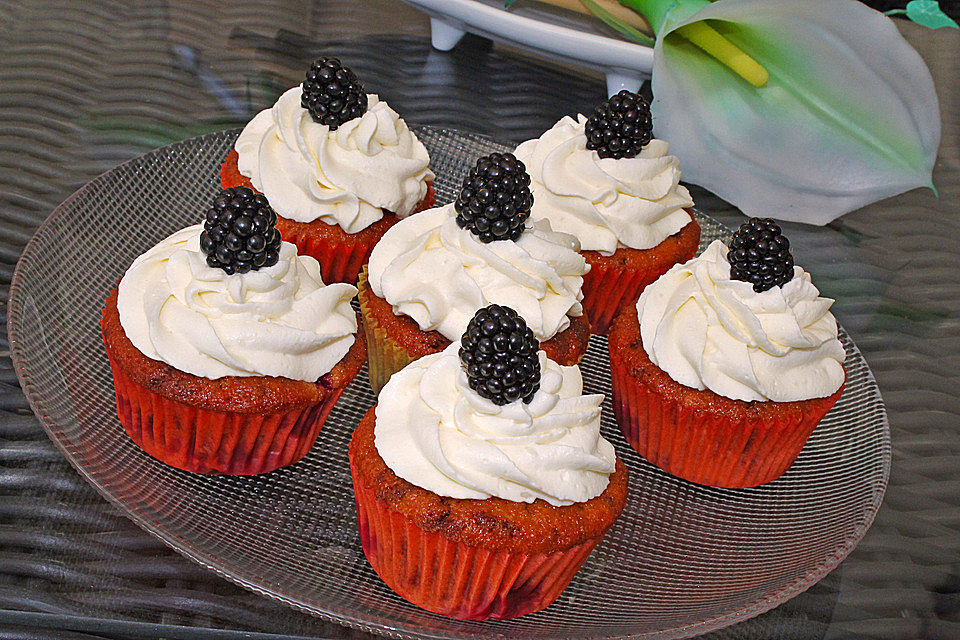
(663,13)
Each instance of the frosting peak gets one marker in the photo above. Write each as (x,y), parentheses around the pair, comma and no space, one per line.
(342,177)
(606,202)
(278,321)
(435,432)
(708,331)
(431,270)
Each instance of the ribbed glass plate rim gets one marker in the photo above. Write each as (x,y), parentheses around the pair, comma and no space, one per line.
(22,361)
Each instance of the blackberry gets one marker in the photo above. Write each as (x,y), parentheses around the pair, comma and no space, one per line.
(620,126)
(499,353)
(760,254)
(495,200)
(239,234)
(332,93)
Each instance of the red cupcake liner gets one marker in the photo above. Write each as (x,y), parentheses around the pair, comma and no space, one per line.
(453,579)
(607,288)
(709,448)
(341,256)
(215,442)
(618,280)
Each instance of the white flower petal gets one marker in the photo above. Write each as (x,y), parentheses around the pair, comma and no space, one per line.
(849,115)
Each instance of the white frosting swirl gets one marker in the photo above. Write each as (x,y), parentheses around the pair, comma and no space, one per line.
(431,270)
(708,331)
(435,432)
(340,177)
(606,202)
(278,321)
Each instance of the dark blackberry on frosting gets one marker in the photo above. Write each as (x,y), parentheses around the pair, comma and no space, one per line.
(495,199)
(500,355)
(760,254)
(239,233)
(620,126)
(332,93)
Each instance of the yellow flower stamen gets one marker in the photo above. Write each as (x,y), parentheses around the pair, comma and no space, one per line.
(727,53)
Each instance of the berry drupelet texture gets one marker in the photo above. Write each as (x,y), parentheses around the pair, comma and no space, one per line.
(495,199)
(332,93)
(620,126)
(760,254)
(238,233)
(499,353)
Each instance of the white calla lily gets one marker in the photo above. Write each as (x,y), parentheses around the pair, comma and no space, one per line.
(848,115)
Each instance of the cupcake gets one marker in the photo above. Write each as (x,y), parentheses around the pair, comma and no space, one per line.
(727,363)
(605,180)
(339,166)
(227,350)
(481,480)
(434,270)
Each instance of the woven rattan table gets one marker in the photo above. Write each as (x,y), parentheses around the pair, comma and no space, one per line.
(88,84)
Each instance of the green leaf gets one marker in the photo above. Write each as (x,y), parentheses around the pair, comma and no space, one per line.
(509,3)
(616,23)
(929,14)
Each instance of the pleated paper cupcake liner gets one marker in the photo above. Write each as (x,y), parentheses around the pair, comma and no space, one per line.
(384,355)
(341,255)
(709,448)
(214,442)
(607,287)
(618,280)
(453,579)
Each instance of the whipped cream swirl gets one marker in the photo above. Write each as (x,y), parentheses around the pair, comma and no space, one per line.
(342,177)
(607,203)
(435,432)
(431,270)
(278,321)
(708,331)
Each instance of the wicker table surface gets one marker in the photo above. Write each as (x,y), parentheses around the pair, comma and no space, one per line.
(89,84)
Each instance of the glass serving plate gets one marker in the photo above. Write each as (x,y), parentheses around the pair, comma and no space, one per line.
(683,559)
